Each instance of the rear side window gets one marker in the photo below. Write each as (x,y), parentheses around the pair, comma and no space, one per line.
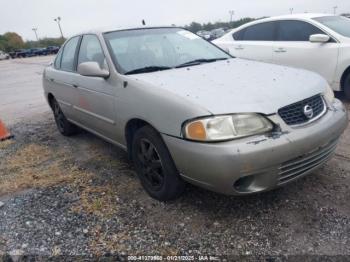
(296,31)
(91,50)
(58,59)
(259,32)
(238,35)
(68,56)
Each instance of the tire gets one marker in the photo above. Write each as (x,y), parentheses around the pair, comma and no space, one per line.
(154,165)
(347,87)
(63,125)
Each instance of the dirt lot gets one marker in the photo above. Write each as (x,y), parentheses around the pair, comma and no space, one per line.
(80,196)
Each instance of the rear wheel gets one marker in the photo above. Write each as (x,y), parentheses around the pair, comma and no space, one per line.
(63,125)
(347,86)
(154,165)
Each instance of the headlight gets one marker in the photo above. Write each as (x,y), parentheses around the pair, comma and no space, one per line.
(228,127)
(329,95)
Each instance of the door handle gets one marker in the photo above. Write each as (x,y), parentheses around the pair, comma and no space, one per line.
(280,50)
(75,85)
(239,47)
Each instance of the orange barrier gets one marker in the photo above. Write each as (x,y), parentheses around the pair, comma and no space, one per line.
(4,133)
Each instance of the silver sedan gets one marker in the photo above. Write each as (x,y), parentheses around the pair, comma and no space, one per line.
(185,110)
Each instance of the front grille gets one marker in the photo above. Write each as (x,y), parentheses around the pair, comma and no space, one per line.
(294,114)
(302,164)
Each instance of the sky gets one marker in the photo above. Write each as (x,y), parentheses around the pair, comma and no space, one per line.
(81,15)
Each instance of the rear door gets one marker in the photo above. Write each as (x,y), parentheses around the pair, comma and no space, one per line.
(254,42)
(96,95)
(62,78)
(293,48)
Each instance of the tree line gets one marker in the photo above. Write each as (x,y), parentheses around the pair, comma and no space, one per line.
(195,27)
(11,41)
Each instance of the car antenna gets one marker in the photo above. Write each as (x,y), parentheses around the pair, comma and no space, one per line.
(143,22)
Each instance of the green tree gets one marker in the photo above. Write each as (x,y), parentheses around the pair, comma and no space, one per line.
(13,41)
(194,27)
(3,43)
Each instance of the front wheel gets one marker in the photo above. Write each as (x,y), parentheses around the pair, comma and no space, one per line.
(154,165)
(347,87)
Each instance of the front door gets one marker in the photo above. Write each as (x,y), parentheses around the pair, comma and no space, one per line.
(293,48)
(95,102)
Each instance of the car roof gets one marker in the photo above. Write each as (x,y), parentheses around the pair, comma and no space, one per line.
(109,29)
(303,16)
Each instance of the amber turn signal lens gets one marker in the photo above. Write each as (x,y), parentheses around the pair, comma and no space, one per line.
(196,131)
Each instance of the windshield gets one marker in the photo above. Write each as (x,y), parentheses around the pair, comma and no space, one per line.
(339,24)
(159,48)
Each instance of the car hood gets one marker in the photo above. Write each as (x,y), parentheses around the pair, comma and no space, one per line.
(237,85)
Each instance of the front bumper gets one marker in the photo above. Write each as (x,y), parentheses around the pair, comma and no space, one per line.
(260,163)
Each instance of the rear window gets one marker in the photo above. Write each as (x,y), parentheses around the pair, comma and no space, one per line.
(238,35)
(259,32)
(58,59)
(69,52)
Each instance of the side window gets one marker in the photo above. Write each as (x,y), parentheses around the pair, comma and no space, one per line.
(91,50)
(69,50)
(238,36)
(296,31)
(260,32)
(57,63)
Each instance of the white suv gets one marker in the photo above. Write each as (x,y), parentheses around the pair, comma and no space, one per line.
(317,42)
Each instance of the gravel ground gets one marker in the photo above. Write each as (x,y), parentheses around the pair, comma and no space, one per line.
(80,196)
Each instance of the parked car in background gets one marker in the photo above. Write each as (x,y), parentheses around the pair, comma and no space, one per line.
(38,51)
(52,50)
(216,33)
(204,34)
(317,42)
(184,110)
(21,53)
(4,56)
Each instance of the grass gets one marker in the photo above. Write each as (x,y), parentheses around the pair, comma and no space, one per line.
(6,143)
(35,166)
(40,166)
(97,200)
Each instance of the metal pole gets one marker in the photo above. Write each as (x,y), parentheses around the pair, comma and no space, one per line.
(291,10)
(58,20)
(335,9)
(231,12)
(36,34)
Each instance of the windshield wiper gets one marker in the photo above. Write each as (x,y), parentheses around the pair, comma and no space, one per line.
(147,69)
(200,61)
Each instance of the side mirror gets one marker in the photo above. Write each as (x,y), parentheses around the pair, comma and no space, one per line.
(319,38)
(92,69)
